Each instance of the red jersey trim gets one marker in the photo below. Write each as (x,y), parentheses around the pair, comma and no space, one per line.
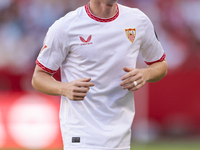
(87,9)
(161,59)
(45,68)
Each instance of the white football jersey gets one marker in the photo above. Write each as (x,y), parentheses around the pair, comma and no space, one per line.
(85,46)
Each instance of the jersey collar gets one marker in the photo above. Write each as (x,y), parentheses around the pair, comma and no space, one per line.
(87,9)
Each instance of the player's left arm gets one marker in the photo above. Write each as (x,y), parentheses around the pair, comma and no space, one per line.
(152,73)
(154,56)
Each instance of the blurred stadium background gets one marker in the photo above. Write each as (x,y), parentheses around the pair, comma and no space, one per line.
(167,112)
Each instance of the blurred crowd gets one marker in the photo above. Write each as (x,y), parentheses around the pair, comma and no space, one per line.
(24,23)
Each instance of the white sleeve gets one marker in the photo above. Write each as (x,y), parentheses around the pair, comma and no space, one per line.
(53,52)
(151,49)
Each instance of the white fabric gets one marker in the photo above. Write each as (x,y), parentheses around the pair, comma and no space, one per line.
(103,120)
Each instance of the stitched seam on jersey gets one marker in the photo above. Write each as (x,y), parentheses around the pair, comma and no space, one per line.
(70,26)
(77,17)
(57,35)
(62,42)
(144,22)
(128,11)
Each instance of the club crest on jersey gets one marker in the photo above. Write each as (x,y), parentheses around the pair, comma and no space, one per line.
(86,42)
(130,33)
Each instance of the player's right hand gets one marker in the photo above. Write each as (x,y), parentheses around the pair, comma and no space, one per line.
(77,89)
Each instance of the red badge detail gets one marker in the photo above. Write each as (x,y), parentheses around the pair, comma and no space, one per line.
(86,42)
(43,48)
(131,34)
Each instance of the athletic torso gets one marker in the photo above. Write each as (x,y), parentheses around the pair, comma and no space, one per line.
(83,45)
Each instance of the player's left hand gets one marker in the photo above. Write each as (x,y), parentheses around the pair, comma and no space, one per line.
(132,75)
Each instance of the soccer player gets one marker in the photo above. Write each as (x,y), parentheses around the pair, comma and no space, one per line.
(96,48)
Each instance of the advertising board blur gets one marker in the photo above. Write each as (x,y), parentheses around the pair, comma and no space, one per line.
(29,121)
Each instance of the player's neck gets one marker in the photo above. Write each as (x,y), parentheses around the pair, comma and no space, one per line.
(102,9)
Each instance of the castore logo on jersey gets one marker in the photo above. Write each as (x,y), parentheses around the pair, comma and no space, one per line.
(86,42)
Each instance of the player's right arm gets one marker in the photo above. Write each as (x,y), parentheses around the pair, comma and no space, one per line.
(52,55)
(45,83)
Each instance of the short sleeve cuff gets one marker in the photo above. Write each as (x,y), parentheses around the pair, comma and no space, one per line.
(45,68)
(161,59)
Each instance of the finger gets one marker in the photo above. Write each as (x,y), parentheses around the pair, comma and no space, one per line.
(139,85)
(127,81)
(126,69)
(84,79)
(131,79)
(128,86)
(81,90)
(132,85)
(81,95)
(129,74)
(84,84)
(135,88)
(77,99)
